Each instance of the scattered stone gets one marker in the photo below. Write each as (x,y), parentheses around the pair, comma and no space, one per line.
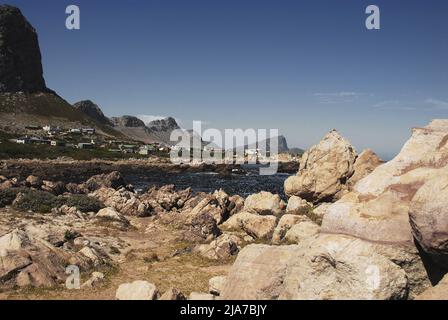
(137,290)
(198,296)
(216,285)
(33,181)
(112,215)
(173,294)
(96,279)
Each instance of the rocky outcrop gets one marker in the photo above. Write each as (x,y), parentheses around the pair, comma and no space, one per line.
(20,58)
(324,170)
(127,121)
(112,180)
(137,290)
(378,208)
(93,111)
(330,169)
(123,201)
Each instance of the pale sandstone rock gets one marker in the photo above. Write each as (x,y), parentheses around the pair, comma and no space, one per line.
(438,292)
(96,279)
(283,226)
(222,248)
(198,296)
(301,231)
(265,203)
(172,294)
(324,170)
(216,284)
(123,201)
(326,267)
(257,226)
(111,214)
(297,205)
(137,290)
(378,207)
(364,165)
(428,215)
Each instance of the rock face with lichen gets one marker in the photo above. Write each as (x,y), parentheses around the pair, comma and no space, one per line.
(20,58)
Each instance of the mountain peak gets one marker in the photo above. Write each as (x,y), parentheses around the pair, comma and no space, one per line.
(92,110)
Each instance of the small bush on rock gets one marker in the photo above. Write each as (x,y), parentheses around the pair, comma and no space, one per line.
(7,197)
(83,203)
(36,201)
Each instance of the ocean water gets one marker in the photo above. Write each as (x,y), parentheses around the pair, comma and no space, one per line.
(241,184)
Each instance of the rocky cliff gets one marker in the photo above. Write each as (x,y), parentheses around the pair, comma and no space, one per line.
(20,58)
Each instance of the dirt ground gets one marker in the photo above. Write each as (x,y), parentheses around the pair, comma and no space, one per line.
(155,252)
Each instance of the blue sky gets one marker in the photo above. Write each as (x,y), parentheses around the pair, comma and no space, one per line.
(304,67)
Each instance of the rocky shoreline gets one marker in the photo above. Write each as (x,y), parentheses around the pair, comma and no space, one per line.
(352,227)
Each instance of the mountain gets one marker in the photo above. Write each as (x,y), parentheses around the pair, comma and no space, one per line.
(266,145)
(92,110)
(158,131)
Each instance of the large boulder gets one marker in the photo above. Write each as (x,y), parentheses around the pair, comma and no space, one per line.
(137,290)
(378,207)
(265,203)
(20,58)
(324,170)
(428,215)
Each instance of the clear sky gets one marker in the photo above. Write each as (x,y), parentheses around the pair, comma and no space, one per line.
(304,67)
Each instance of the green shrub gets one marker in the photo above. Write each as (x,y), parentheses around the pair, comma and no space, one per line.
(7,197)
(36,201)
(83,203)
